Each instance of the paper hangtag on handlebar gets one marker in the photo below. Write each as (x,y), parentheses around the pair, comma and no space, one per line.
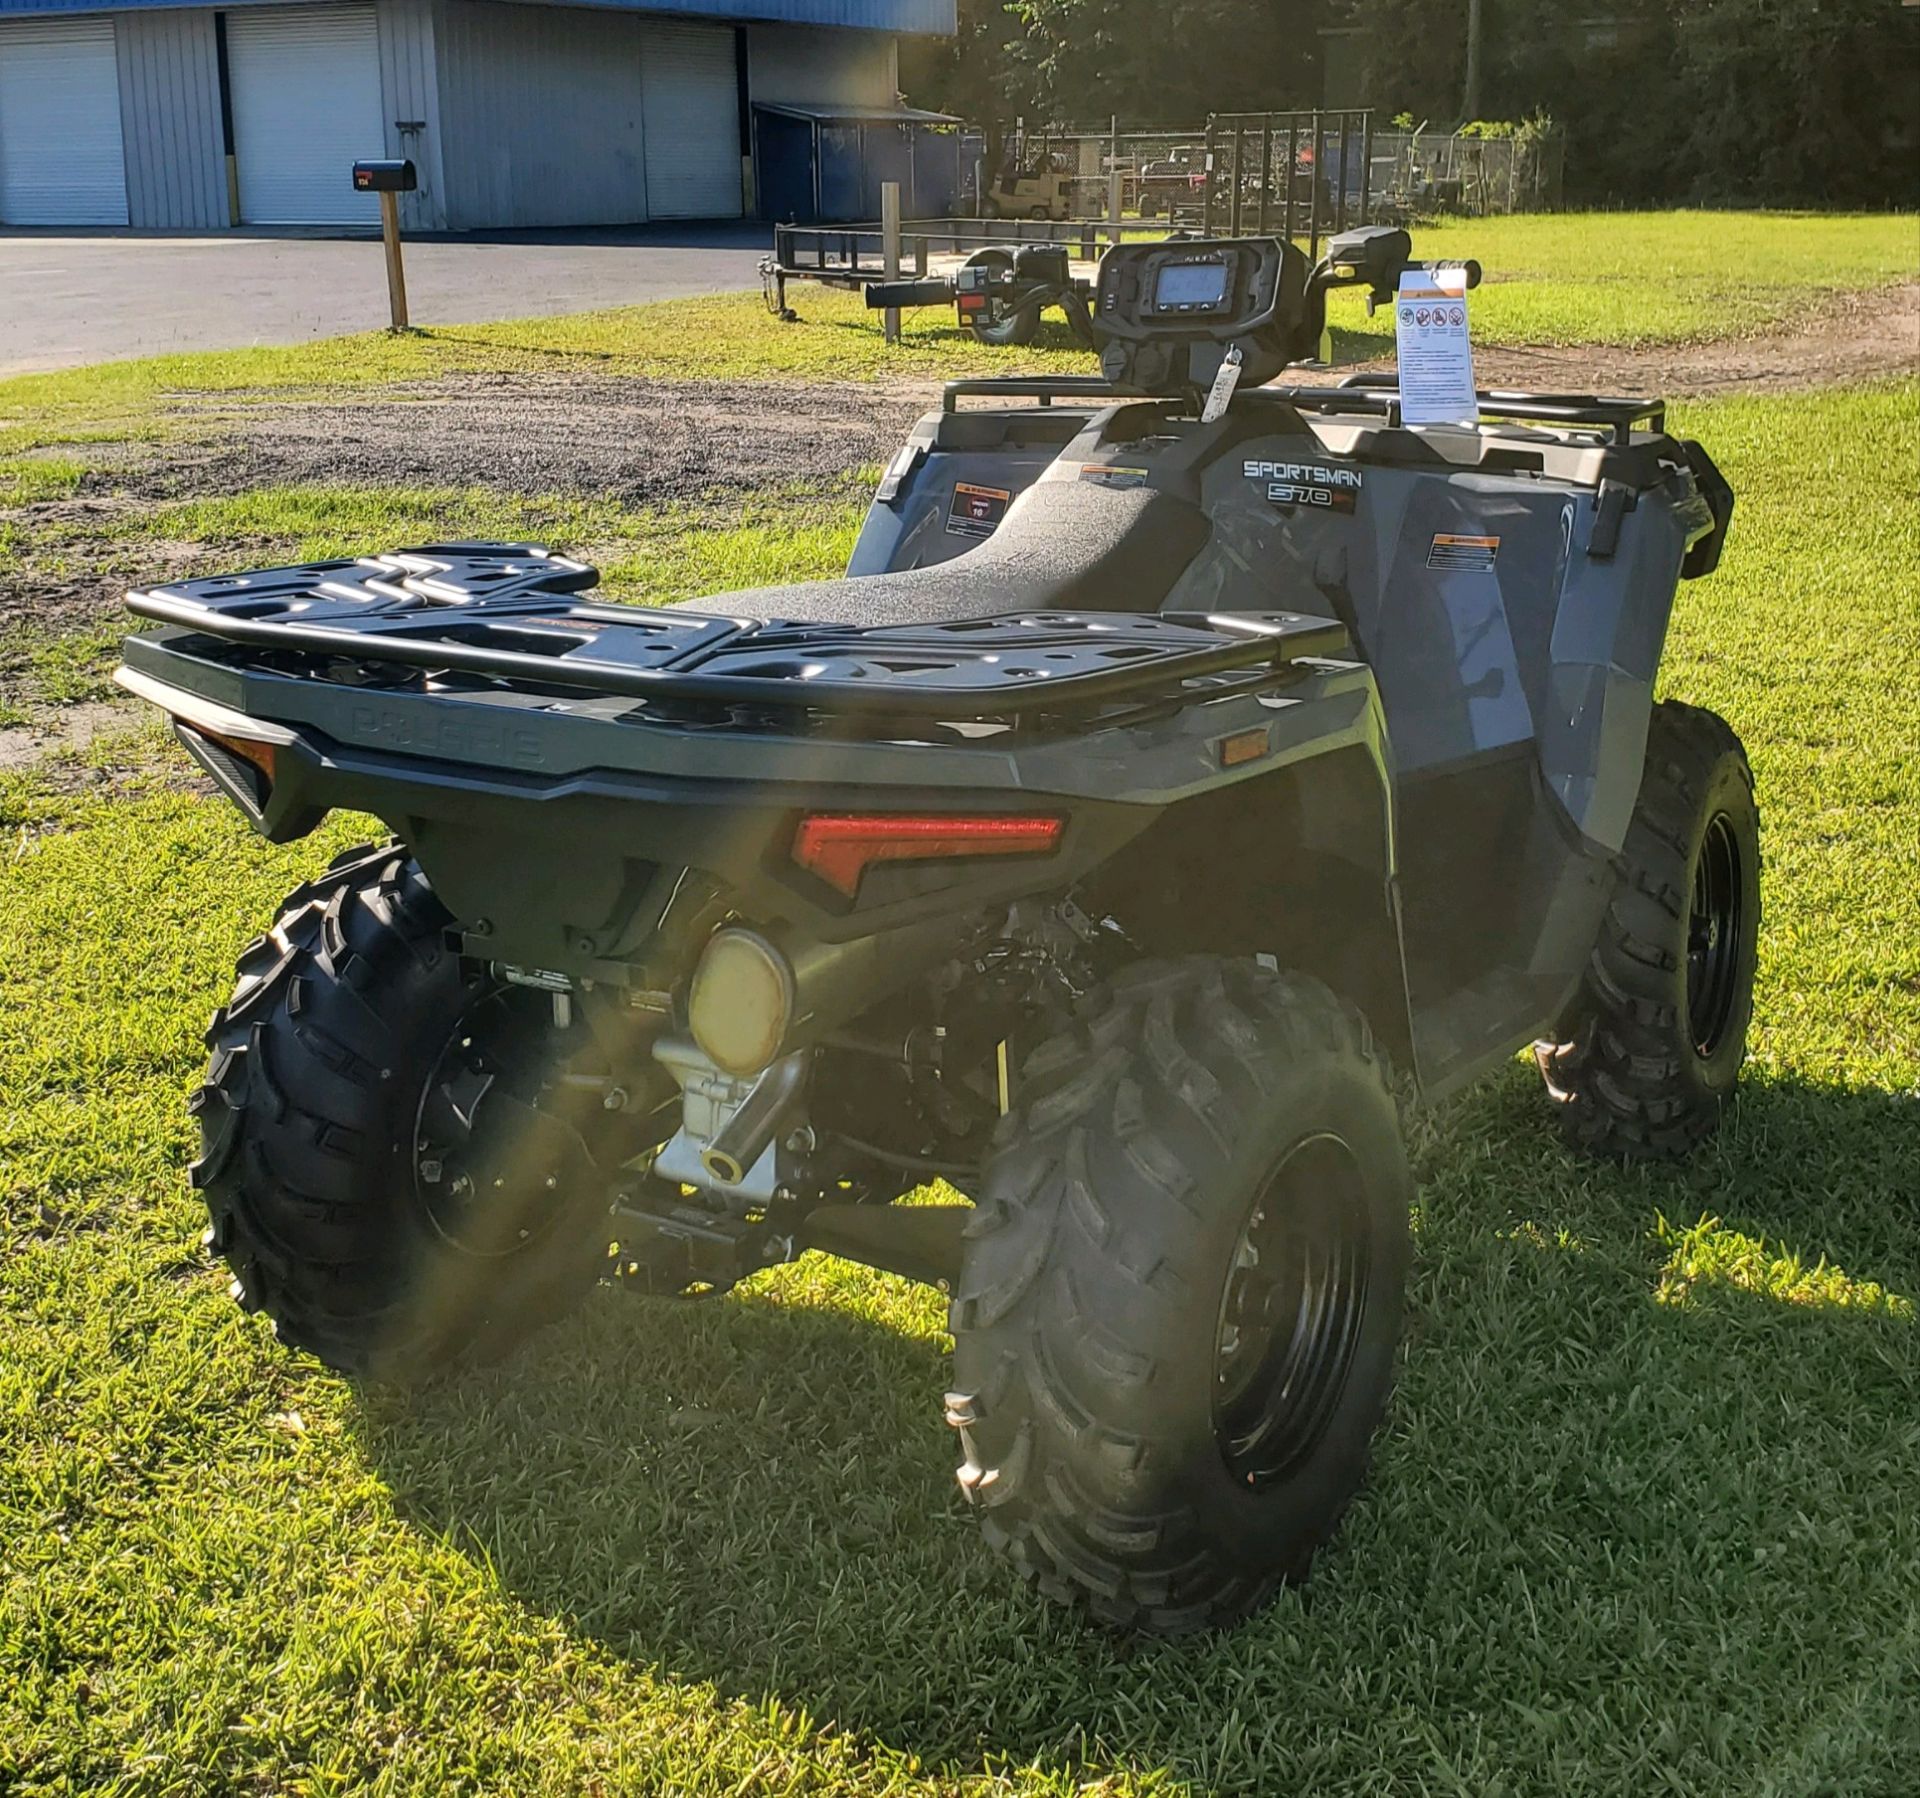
(1436,357)
(1220,394)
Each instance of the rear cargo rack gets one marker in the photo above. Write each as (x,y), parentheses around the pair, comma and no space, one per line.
(511,612)
(1044,388)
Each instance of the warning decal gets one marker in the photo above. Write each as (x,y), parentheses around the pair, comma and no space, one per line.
(1475,554)
(975,511)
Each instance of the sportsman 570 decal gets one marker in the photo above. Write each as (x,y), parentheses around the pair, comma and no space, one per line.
(1307,484)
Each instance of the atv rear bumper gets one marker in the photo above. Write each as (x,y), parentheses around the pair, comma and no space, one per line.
(548,814)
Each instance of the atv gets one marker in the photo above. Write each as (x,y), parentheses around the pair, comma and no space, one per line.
(1190,774)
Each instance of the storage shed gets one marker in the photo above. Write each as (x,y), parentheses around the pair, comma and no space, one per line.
(824,164)
(531,113)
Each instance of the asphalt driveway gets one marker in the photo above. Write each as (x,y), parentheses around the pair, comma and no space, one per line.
(67,298)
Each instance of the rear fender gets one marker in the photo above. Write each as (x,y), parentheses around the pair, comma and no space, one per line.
(1297,866)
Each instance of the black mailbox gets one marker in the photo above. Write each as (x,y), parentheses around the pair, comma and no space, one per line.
(394,176)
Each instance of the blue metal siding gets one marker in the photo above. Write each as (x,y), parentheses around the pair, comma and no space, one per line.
(170,119)
(542,116)
(410,94)
(927,16)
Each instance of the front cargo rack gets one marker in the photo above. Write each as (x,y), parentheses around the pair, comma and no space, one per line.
(512,612)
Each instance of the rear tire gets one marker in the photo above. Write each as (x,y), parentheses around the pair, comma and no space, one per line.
(1649,1055)
(322,1122)
(1175,1328)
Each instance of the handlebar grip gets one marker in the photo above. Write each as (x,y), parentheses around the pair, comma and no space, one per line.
(936,292)
(1469,268)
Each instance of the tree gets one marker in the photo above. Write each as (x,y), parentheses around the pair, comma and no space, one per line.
(1779,102)
(1081,60)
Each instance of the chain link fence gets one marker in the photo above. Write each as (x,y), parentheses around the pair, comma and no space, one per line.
(1424,174)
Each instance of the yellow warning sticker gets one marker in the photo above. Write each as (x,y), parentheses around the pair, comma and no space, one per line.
(1473,554)
(975,511)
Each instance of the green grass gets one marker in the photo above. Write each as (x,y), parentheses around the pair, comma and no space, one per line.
(1667,277)
(652,554)
(1566,279)
(656,553)
(44,669)
(25,480)
(1642,1519)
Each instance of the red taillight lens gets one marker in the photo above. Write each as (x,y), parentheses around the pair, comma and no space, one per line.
(840,848)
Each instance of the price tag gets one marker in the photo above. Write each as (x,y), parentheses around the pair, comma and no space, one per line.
(1436,358)
(1220,394)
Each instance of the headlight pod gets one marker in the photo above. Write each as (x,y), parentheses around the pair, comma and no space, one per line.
(742,1000)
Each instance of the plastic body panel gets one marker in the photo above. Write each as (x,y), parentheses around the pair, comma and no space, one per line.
(912,522)
(1510,591)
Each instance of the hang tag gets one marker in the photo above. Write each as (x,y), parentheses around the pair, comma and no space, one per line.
(1220,394)
(1436,356)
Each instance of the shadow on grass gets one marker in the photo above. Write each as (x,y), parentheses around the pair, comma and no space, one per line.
(1606,1449)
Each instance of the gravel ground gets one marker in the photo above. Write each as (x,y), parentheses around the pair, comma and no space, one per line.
(639,442)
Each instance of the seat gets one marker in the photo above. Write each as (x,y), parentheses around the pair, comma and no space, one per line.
(1064,546)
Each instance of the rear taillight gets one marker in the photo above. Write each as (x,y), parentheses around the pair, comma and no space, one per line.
(243,766)
(839,848)
(261,755)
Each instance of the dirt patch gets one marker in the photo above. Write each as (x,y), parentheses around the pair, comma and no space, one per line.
(641,443)
(1856,337)
(38,605)
(99,746)
(67,728)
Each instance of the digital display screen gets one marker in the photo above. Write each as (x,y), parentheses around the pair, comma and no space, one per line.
(1190,284)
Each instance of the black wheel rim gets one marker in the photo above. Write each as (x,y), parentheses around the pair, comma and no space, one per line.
(1714,936)
(1291,1315)
(494,1155)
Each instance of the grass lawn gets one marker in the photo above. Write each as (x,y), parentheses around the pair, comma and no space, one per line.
(1628,278)
(1642,1517)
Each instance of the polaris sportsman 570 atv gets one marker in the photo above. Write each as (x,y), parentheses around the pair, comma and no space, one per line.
(1183,779)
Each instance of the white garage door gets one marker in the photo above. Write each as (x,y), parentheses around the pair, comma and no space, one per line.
(61,159)
(306,108)
(690,101)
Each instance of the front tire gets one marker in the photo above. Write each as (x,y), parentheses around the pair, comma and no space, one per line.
(390,1169)
(1175,1330)
(1646,1062)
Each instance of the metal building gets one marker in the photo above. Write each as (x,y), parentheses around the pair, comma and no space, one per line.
(515,112)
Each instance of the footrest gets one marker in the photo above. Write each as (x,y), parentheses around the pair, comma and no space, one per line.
(918,1242)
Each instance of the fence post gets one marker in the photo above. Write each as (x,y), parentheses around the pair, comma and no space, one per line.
(1366,168)
(890,250)
(1288,230)
(1315,180)
(396,272)
(1114,187)
(1206,192)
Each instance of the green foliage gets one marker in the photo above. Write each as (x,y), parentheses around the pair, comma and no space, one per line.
(1682,100)
(1700,101)
(1086,59)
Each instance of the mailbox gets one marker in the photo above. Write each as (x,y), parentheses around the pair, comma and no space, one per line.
(393,176)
